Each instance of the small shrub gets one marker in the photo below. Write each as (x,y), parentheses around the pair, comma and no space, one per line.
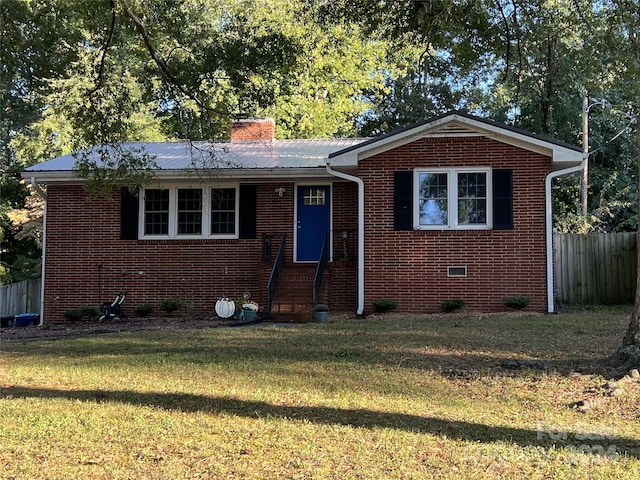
(74,315)
(384,305)
(143,310)
(517,302)
(452,305)
(239,302)
(89,311)
(170,305)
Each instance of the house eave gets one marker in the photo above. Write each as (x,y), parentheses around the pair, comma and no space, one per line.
(457,125)
(254,174)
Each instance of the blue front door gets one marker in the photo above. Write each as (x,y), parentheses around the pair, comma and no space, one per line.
(312,223)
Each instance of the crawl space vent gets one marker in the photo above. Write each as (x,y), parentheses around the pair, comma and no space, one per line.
(457,271)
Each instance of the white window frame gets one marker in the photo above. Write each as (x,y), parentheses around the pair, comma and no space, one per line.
(173,212)
(452,198)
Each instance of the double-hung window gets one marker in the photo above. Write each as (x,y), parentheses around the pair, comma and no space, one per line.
(452,198)
(189,211)
(156,211)
(223,211)
(185,212)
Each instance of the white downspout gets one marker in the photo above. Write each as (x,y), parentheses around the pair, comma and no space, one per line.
(37,188)
(360,183)
(549,229)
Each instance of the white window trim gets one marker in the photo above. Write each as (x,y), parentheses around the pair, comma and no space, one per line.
(452,198)
(173,213)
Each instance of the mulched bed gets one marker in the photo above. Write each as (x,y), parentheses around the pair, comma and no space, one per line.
(76,329)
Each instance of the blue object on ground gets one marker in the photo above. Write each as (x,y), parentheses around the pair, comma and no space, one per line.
(25,319)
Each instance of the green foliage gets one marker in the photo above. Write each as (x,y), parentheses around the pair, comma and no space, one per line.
(239,302)
(170,305)
(89,312)
(452,305)
(73,315)
(384,305)
(142,310)
(20,235)
(517,302)
(171,70)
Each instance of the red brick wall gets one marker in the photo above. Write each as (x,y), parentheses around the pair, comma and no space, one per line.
(343,292)
(253,129)
(411,266)
(83,234)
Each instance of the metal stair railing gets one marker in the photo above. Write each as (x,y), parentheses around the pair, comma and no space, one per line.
(276,275)
(320,269)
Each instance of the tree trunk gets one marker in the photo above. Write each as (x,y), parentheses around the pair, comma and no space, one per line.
(628,355)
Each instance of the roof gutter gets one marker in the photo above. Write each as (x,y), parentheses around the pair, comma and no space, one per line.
(43,194)
(549,228)
(360,183)
(254,174)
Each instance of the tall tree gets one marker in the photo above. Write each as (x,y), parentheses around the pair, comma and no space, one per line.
(441,53)
(34,50)
(623,38)
(77,78)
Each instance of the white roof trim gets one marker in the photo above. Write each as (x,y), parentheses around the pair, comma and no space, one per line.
(456,125)
(254,175)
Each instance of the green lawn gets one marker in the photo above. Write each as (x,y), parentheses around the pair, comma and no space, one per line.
(386,397)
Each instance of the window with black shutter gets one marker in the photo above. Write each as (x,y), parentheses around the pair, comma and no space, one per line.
(192,212)
(458,198)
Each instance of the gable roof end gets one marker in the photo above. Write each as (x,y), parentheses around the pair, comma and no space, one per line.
(457,124)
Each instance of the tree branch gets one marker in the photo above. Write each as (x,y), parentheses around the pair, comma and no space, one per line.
(107,43)
(507,31)
(169,78)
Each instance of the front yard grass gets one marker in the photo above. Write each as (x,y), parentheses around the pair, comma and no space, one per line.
(399,397)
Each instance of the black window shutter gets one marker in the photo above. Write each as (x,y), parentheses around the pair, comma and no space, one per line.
(129,208)
(403,200)
(248,201)
(502,199)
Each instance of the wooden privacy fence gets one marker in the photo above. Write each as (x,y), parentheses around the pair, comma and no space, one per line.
(21,297)
(597,268)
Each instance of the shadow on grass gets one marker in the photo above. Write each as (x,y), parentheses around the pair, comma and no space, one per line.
(358,418)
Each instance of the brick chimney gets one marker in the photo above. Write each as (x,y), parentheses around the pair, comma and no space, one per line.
(253,129)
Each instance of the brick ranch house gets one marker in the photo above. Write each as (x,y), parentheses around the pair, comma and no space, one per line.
(454,207)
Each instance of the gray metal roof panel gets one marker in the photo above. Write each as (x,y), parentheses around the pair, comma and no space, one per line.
(244,155)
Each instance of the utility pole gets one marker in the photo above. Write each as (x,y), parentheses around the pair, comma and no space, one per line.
(584,186)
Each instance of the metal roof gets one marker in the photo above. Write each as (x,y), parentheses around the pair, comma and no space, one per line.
(186,156)
(301,157)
